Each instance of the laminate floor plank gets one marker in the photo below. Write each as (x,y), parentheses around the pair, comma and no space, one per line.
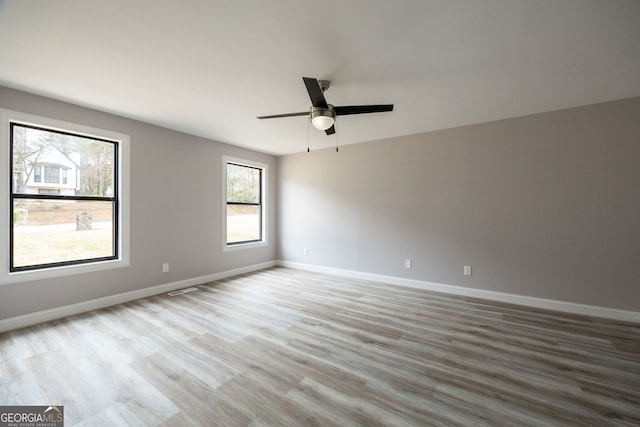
(283,347)
(283,412)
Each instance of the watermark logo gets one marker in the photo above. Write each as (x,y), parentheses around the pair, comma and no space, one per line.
(31,416)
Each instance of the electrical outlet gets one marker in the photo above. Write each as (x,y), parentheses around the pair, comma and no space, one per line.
(306,252)
(407,263)
(165,267)
(467,270)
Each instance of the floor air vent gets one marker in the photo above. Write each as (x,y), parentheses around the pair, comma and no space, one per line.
(182,291)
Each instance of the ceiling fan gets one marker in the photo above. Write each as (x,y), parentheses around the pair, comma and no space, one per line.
(323,115)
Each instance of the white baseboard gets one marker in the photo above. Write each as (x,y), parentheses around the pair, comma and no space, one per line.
(548,304)
(83,307)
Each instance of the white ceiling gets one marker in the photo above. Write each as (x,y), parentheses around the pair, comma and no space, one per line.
(209,68)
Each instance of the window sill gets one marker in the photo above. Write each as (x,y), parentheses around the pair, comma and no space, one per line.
(243,246)
(51,272)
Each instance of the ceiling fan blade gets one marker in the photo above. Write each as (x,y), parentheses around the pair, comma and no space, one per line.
(315,92)
(331,130)
(276,116)
(362,109)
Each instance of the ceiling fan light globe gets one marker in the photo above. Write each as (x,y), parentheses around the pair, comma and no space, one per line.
(322,122)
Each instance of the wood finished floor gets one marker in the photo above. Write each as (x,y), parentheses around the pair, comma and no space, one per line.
(282,347)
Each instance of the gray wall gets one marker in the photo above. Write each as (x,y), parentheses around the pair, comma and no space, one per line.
(176,211)
(546,205)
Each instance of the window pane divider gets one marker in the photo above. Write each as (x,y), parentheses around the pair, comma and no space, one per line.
(61,197)
(244,203)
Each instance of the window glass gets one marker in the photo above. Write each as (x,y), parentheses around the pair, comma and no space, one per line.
(243,223)
(52,174)
(243,184)
(53,231)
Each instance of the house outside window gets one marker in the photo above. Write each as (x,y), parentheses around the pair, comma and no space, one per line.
(244,198)
(67,198)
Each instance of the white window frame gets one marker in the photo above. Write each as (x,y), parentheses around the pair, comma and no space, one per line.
(123,260)
(264,196)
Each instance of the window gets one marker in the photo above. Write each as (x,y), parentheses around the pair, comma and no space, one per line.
(66,199)
(51,173)
(244,189)
(75,227)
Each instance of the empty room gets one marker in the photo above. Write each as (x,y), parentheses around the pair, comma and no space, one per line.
(338,213)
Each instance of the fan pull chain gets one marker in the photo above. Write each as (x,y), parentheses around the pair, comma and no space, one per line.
(337,134)
(308,124)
